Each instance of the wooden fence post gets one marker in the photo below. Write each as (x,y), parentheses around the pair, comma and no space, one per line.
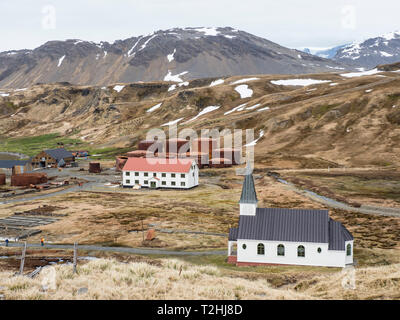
(75,256)
(21,268)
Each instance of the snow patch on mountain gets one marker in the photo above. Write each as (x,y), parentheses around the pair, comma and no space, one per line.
(244,80)
(204,111)
(298,82)
(60,61)
(217,82)
(154,107)
(118,88)
(170,57)
(360,74)
(171,123)
(174,78)
(244,91)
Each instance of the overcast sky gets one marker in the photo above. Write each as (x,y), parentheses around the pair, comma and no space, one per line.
(292,23)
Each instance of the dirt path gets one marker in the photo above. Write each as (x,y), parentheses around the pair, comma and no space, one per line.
(374,210)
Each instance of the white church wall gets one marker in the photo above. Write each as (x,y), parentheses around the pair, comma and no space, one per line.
(328,258)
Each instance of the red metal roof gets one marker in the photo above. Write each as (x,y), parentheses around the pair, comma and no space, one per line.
(158,165)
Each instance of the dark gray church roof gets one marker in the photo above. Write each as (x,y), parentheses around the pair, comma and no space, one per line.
(338,234)
(276,224)
(233,232)
(59,153)
(9,164)
(249,194)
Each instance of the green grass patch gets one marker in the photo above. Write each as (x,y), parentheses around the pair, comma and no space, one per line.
(31,146)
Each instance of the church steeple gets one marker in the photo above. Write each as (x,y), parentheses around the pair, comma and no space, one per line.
(248,200)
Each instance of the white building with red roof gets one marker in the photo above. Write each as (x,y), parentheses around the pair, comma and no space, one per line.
(160,173)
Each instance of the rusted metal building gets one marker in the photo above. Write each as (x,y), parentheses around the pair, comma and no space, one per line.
(94,167)
(27,179)
(2,179)
(177,146)
(220,163)
(234,155)
(120,162)
(207,145)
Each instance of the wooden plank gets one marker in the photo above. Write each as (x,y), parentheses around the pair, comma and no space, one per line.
(75,256)
(21,267)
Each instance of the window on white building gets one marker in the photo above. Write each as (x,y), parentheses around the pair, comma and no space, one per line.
(301,251)
(182,175)
(128,173)
(172,175)
(348,250)
(128,181)
(319,250)
(146,182)
(244,246)
(173,183)
(260,249)
(163,175)
(164,183)
(182,184)
(136,174)
(281,250)
(154,174)
(146,174)
(136,181)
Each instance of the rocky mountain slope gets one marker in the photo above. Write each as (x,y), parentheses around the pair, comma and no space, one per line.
(345,118)
(371,52)
(175,54)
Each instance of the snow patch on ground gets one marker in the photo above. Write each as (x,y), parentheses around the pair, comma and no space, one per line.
(244,80)
(253,143)
(170,57)
(174,78)
(172,122)
(244,91)
(369,90)
(171,88)
(263,109)
(385,54)
(204,111)
(154,107)
(133,48)
(118,88)
(360,74)
(217,82)
(253,107)
(298,82)
(4,94)
(238,108)
(333,84)
(60,61)
(208,31)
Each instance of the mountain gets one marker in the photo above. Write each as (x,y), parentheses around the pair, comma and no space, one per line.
(350,119)
(372,52)
(327,53)
(171,55)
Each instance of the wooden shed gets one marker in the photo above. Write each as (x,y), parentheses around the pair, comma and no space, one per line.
(52,157)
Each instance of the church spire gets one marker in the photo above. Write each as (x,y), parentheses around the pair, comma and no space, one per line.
(249,194)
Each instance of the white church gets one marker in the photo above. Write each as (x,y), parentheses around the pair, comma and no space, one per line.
(277,236)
